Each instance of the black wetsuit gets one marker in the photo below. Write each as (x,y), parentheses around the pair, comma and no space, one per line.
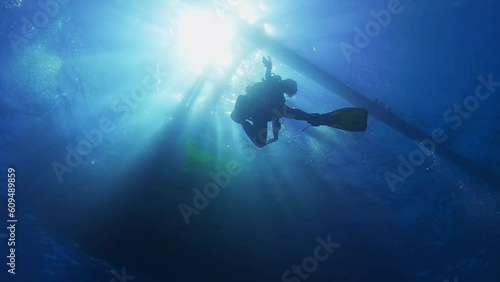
(264,102)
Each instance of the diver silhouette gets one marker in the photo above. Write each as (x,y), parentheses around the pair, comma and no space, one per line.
(265,102)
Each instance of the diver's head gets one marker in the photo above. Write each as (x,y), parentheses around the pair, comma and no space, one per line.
(290,87)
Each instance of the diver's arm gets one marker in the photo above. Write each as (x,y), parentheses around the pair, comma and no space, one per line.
(276,130)
(275,138)
(272,140)
(268,65)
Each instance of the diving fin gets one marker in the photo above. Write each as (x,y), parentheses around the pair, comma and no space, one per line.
(349,119)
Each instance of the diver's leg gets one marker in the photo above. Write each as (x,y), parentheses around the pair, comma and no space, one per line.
(257,132)
(297,114)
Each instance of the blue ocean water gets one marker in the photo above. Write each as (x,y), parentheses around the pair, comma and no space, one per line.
(124,164)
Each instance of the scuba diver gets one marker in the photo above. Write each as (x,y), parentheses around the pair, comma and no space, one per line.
(265,102)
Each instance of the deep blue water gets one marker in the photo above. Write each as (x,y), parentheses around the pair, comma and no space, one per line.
(127,167)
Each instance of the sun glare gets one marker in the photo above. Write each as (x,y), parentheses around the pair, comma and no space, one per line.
(205,39)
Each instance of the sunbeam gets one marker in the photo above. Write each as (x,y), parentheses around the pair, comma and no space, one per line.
(205,38)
